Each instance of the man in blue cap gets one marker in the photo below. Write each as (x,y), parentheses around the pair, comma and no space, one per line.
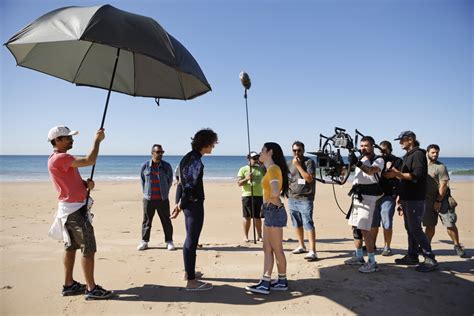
(411,197)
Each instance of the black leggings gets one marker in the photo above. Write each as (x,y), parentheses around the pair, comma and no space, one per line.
(193,218)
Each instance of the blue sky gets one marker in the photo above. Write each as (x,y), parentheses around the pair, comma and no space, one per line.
(379,66)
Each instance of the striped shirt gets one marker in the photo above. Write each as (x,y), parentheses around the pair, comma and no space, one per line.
(155,182)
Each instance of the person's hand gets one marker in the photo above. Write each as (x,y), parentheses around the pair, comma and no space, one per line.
(90,184)
(437,207)
(399,210)
(175,212)
(392,173)
(353,158)
(296,161)
(100,135)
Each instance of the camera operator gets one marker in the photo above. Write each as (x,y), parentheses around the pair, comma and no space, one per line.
(365,193)
(385,207)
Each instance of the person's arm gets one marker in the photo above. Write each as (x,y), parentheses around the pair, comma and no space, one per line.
(373,169)
(142,175)
(275,192)
(91,158)
(242,178)
(169,174)
(307,176)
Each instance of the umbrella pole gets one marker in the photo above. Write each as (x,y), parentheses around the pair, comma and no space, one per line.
(105,113)
(250,169)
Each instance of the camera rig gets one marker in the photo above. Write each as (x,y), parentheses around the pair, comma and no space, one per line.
(330,163)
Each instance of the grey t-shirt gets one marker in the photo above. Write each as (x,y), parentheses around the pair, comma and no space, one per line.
(436,172)
(298,187)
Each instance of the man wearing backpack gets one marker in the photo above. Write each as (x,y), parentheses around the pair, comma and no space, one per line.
(365,193)
(411,196)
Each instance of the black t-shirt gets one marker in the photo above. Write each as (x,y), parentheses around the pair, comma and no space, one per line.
(390,186)
(414,162)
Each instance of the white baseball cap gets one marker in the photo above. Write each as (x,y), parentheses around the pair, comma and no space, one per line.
(59,131)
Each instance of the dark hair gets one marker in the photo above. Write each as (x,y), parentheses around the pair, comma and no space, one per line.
(53,142)
(280,161)
(203,138)
(369,139)
(156,145)
(387,144)
(298,143)
(416,143)
(436,147)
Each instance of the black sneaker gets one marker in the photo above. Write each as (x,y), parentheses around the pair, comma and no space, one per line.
(263,287)
(427,266)
(279,285)
(407,260)
(98,293)
(74,289)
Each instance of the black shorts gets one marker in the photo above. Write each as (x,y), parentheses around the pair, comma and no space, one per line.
(247,206)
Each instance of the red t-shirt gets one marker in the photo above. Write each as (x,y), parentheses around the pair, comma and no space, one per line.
(66,179)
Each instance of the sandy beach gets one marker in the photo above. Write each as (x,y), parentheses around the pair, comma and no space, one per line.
(150,282)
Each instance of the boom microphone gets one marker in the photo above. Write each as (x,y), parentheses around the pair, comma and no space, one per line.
(245,80)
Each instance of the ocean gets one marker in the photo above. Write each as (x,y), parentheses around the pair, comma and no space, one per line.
(15,168)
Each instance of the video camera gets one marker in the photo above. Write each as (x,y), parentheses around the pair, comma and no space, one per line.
(329,160)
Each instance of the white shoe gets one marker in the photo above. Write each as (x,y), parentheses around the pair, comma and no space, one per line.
(170,246)
(299,250)
(311,256)
(143,245)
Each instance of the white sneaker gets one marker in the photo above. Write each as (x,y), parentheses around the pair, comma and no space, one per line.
(311,256)
(143,245)
(299,250)
(170,246)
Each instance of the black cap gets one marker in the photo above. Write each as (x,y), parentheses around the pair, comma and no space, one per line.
(406,134)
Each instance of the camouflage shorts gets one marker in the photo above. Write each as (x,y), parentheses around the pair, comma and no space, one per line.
(81,234)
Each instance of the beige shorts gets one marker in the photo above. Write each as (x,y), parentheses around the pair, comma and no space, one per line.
(363,212)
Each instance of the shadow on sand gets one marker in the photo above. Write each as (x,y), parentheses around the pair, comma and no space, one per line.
(384,292)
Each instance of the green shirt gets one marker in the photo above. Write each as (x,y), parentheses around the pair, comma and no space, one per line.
(257,173)
(436,172)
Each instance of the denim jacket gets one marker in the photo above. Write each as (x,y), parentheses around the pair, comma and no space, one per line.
(166,179)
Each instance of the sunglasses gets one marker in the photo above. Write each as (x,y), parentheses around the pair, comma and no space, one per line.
(67,137)
(158,151)
(297,150)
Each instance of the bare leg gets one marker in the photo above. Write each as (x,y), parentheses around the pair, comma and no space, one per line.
(312,239)
(375,232)
(246,227)
(258,226)
(68,261)
(429,232)
(300,236)
(88,268)
(276,242)
(268,252)
(454,234)
(369,242)
(387,235)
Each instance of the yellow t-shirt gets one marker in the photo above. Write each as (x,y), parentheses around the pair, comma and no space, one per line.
(273,173)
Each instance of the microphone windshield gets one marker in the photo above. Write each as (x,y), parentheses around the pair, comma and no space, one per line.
(245,80)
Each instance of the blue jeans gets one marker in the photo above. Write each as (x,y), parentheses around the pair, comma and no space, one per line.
(412,214)
(301,212)
(384,211)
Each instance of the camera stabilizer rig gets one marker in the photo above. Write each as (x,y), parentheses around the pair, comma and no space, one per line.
(330,163)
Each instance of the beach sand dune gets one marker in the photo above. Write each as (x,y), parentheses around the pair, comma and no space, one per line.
(151,282)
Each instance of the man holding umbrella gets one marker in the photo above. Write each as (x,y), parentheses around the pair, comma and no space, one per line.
(72,221)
